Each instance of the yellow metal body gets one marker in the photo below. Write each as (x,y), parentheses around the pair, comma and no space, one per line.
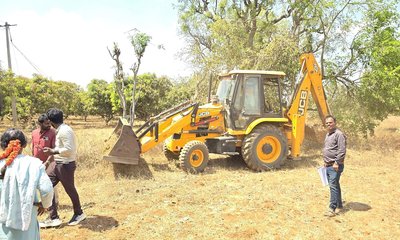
(189,129)
(311,82)
(181,125)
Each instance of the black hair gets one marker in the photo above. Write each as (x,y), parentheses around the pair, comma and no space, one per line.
(42,118)
(55,115)
(12,134)
(9,135)
(330,116)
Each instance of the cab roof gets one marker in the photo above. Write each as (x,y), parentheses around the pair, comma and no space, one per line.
(256,72)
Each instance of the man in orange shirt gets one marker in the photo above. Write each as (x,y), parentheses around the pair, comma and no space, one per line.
(43,136)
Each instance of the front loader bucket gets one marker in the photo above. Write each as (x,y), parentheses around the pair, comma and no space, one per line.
(124,145)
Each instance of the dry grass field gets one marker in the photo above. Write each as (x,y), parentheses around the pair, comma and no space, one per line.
(156,200)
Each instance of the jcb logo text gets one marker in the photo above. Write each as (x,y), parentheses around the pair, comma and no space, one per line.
(302,103)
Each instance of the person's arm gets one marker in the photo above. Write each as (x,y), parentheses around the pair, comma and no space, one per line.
(52,145)
(48,161)
(68,141)
(45,188)
(341,153)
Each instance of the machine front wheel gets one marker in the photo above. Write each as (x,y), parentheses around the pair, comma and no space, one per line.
(265,148)
(194,157)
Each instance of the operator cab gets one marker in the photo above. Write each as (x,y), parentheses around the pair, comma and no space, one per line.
(250,94)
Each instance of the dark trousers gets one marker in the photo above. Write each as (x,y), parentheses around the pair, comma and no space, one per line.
(64,173)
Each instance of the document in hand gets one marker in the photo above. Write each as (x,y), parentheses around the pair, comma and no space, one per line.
(322,175)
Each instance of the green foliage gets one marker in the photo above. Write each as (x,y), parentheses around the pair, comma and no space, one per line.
(238,35)
(356,43)
(99,97)
(36,95)
(151,95)
(154,94)
(139,42)
(84,106)
(379,90)
(65,96)
(6,91)
(180,92)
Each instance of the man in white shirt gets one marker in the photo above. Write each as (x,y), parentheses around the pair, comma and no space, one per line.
(65,153)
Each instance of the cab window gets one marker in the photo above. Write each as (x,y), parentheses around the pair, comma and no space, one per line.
(251,96)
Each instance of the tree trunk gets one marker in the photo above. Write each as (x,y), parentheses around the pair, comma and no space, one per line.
(135,72)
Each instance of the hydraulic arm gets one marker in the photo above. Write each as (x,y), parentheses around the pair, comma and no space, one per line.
(310,81)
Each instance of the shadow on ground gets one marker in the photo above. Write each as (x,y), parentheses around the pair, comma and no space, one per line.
(234,163)
(230,163)
(303,162)
(141,170)
(357,206)
(99,223)
(162,167)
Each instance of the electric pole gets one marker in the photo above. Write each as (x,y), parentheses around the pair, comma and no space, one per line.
(13,100)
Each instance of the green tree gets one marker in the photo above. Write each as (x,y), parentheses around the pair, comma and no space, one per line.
(43,97)
(6,89)
(380,86)
(152,95)
(181,91)
(356,43)
(100,99)
(65,96)
(139,41)
(84,106)
(119,79)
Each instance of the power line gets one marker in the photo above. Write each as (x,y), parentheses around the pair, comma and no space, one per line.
(14,57)
(26,58)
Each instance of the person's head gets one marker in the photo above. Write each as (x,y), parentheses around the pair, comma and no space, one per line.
(44,122)
(12,142)
(214,99)
(330,123)
(12,134)
(55,116)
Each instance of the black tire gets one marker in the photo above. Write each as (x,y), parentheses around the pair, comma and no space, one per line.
(265,148)
(194,157)
(171,156)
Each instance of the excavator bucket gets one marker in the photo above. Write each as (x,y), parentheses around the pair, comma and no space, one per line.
(124,145)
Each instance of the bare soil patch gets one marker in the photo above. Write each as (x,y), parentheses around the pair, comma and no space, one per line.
(156,200)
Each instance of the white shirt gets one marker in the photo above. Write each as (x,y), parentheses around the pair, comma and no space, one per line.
(23,178)
(66,144)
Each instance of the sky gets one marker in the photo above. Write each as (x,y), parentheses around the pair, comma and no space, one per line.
(68,39)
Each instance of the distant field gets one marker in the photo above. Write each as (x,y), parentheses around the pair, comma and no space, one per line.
(156,200)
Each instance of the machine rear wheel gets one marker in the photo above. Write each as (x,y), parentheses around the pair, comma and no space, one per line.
(265,148)
(194,157)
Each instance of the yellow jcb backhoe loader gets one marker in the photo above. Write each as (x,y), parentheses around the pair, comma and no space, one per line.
(247,118)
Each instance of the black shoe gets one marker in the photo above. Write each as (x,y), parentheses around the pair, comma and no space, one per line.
(76,219)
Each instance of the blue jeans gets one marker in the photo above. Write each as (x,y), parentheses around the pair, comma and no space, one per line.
(334,187)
